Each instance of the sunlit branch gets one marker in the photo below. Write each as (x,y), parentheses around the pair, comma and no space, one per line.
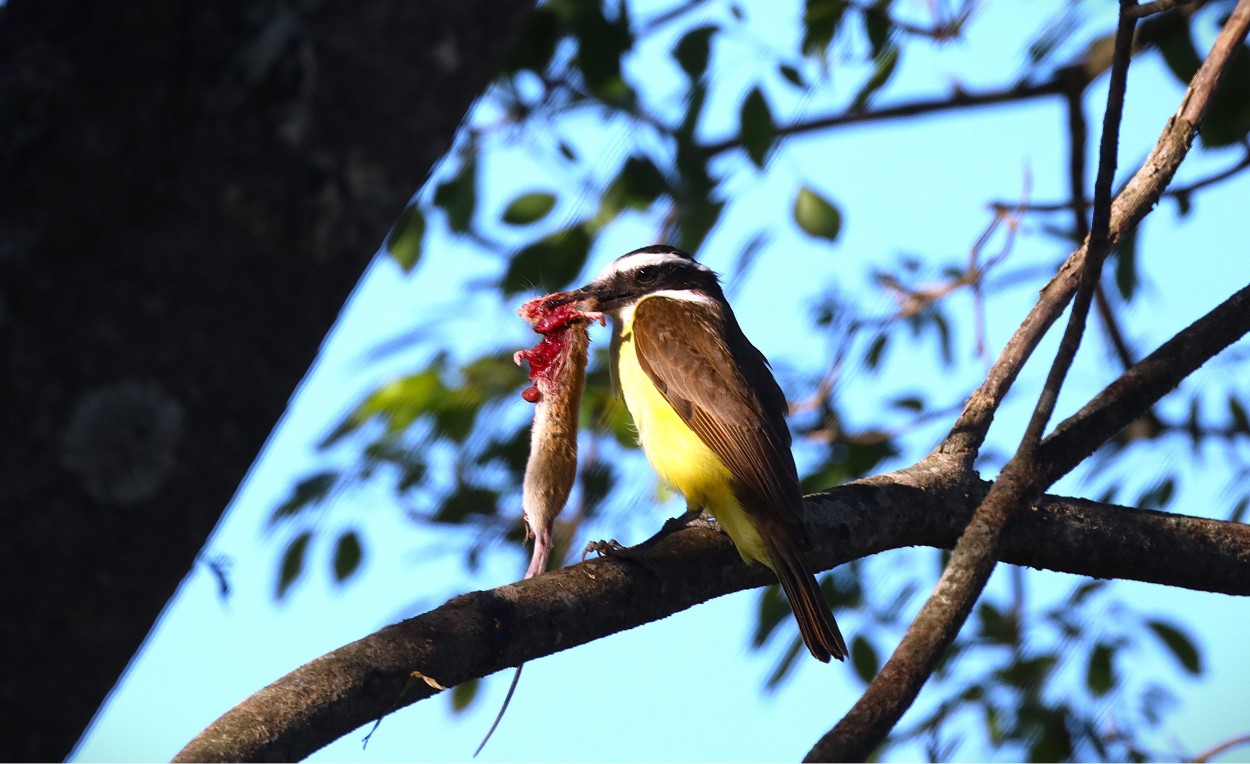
(480,633)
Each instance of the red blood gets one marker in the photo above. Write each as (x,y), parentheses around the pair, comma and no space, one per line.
(553,324)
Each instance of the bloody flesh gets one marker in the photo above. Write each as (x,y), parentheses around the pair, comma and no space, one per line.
(553,324)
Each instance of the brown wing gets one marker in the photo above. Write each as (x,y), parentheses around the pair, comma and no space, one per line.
(720,386)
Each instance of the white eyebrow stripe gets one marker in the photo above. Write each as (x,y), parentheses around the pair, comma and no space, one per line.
(642,260)
(689,295)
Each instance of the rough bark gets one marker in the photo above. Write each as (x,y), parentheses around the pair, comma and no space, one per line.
(191,190)
(477,634)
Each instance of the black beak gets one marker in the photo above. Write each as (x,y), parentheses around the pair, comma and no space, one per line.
(586,295)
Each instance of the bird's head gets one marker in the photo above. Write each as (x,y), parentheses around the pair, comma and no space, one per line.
(646,271)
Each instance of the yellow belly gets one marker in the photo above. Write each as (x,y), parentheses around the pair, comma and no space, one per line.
(680,457)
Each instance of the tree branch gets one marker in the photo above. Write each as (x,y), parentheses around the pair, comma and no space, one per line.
(958,100)
(1145,383)
(1172,192)
(480,633)
(1132,204)
(896,686)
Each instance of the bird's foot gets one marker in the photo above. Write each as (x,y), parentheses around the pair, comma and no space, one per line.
(609,548)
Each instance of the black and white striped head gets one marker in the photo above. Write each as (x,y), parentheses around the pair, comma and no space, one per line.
(646,271)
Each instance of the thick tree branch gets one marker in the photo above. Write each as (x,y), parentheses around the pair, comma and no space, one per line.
(484,632)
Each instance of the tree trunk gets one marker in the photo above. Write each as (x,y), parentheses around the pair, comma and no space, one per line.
(190,191)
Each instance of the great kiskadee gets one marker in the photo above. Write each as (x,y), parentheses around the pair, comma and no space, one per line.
(710,416)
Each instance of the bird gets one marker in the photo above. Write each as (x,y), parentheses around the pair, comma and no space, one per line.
(710,415)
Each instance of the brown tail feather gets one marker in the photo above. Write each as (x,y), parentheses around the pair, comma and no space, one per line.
(816,625)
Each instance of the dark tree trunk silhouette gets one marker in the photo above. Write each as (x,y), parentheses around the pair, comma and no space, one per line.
(190,191)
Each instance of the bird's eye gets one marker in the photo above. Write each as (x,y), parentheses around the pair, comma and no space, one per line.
(646,274)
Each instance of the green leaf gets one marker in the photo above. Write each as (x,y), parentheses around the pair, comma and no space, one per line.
(1179,644)
(529,208)
(785,665)
(601,42)
(1228,116)
(463,695)
(1054,743)
(636,186)
(820,25)
(911,403)
(465,501)
(411,475)
(865,659)
(877,26)
(1184,203)
(1193,425)
(876,351)
(455,416)
(511,452)
(1239,510)
(1030,672)
(1176,45)
(771,612)
(792,76)
(826,476)
(1126,280)
(347,556)
(758,129)
(940,323)
(457,196)
(859,459)
(694,49)
(1099,674)
(995,626)
(307,492)
(549,263)
(292,562)
(816,216)
(1238,414)
(886,63)
(696,221)
(537,44)
(597,481)
(404,242)
(1086,589)
(1158,496)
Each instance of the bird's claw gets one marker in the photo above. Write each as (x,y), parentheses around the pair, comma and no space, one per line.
(602,548)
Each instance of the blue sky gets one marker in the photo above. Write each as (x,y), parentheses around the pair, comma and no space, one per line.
(688,687)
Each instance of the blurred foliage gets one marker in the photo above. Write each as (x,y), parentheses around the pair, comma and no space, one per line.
(1035,681)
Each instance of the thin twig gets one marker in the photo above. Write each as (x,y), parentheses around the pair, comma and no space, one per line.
(1134,202)
(1176,192)
(1158,6)
(1206,756)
